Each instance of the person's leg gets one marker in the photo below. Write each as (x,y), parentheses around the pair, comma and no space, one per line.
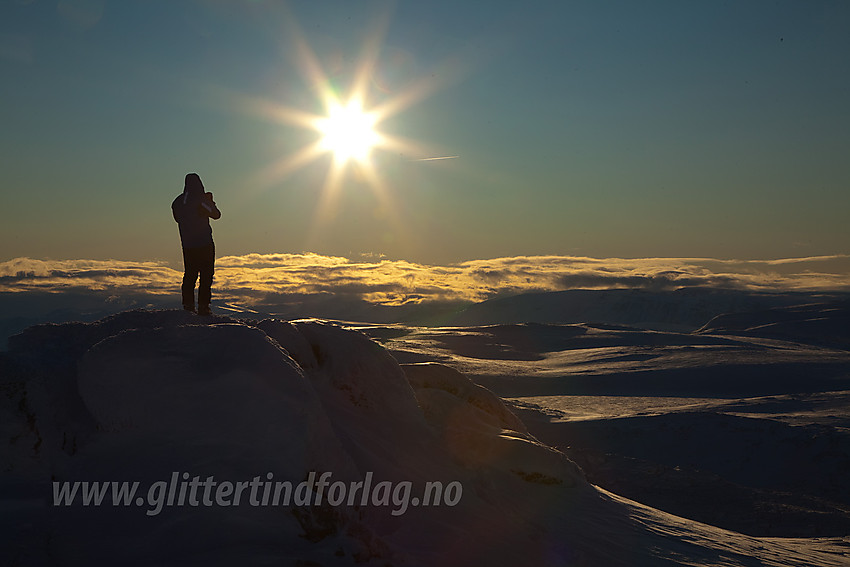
(191,270)
(206,266)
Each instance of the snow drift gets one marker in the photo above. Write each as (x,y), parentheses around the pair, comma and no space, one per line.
(144,395)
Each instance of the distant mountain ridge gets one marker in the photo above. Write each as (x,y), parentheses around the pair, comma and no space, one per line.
(826,324)
(684,310)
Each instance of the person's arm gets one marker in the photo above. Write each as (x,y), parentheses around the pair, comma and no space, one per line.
(209,207)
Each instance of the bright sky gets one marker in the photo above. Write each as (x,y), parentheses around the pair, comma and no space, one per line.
(598,128)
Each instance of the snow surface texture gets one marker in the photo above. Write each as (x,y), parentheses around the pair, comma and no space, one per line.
(142,394)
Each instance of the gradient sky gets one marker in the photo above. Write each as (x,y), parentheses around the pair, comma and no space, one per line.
(599,128)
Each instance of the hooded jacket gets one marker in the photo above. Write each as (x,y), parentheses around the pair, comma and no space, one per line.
(193,210)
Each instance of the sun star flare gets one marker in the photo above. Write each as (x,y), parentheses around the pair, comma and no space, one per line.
(348,131)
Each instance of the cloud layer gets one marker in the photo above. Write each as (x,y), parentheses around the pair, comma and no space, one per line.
(255,278)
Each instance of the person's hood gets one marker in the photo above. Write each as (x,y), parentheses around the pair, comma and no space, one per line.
(193,187)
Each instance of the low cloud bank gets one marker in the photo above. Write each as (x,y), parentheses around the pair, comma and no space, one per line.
(254,278)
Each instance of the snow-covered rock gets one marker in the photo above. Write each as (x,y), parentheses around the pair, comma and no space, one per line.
(227,384)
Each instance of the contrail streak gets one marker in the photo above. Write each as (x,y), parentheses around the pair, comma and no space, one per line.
(435,158)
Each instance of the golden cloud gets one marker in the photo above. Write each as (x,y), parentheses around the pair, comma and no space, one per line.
(252,278)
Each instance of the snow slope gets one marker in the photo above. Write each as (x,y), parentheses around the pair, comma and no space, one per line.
(143,394)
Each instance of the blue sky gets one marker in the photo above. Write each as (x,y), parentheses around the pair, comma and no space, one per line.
(603,129)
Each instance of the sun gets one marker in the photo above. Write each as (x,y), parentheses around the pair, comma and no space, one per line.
(348,131)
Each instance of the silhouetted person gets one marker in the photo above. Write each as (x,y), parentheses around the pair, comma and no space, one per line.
(193,210)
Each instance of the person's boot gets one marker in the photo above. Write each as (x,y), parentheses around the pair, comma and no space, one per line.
(204,310)
(189,308)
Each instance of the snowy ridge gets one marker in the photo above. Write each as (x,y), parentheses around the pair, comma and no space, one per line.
(683,309)
(819,323)
(142,394)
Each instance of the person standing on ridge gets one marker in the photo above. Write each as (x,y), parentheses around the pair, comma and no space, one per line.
(193,210)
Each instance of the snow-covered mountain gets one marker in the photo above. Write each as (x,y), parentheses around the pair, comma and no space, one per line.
(162,397)
(684,309)
(822,323)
